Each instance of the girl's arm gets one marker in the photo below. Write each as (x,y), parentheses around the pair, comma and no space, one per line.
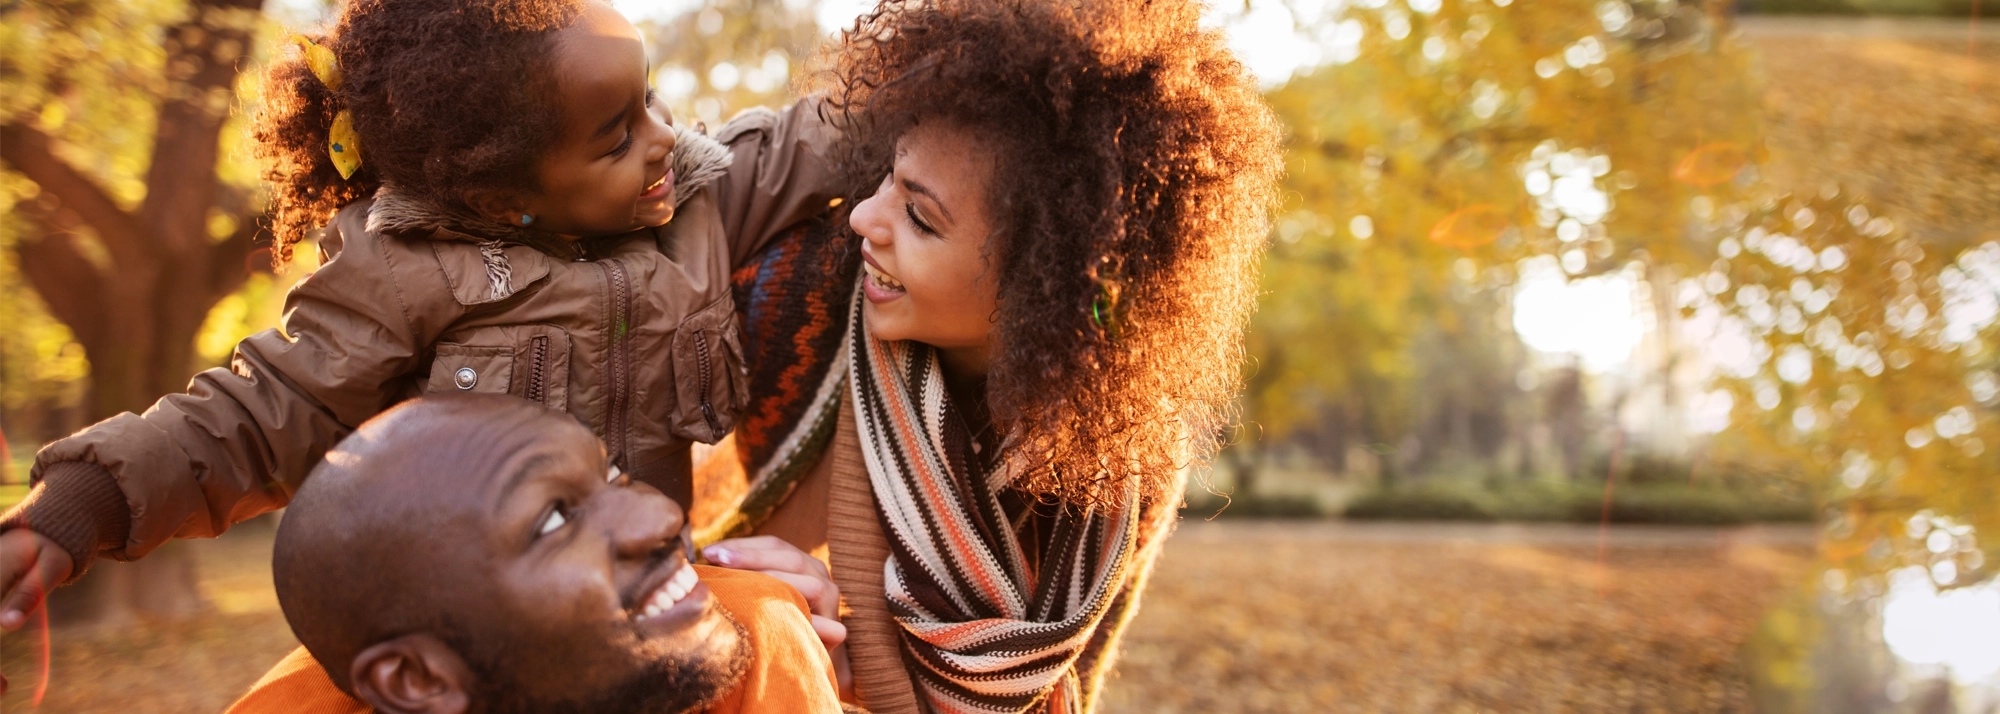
(782,173)
(238,442)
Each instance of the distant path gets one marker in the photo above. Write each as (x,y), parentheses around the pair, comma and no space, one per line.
(1540,534)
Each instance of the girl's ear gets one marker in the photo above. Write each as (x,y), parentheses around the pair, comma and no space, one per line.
(500,205)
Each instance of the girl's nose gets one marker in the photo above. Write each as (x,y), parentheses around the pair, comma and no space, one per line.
(665,145)
(661,148)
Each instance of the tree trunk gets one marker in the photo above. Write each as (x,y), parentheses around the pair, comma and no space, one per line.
(137,318)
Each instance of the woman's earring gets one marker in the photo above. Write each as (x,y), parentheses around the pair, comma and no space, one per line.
(527,219)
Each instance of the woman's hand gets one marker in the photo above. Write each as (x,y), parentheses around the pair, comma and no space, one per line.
(784,561)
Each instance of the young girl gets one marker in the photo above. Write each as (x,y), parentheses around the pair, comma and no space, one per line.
(505,209)
(1065,203)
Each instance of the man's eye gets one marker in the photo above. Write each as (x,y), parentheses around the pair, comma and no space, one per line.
(554,520)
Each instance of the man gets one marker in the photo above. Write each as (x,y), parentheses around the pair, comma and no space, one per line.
(477,554)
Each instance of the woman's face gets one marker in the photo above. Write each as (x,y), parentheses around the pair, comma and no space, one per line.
(926,230)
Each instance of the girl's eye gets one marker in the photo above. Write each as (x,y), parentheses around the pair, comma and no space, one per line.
(554,520)
(910,209)
(623,146)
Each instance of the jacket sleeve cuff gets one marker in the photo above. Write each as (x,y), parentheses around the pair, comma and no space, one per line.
(79,506)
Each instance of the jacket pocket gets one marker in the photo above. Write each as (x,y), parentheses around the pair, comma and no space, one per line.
(541,366)
(709,377)
(528,361)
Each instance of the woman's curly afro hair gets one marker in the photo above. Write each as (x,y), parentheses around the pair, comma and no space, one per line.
(445,95)
(1138,168)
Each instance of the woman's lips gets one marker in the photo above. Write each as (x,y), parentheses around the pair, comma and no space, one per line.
(659,189)
(876,284)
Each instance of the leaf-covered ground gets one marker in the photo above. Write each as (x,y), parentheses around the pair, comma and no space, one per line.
(1249,617)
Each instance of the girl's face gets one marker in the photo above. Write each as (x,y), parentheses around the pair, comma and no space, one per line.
(926,230)
(610,169)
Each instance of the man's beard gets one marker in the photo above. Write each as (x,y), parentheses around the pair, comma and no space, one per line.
(662,686)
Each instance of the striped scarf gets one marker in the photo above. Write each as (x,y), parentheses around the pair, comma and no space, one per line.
(989,633)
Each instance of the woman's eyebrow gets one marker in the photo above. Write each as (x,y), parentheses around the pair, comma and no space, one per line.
(920,189)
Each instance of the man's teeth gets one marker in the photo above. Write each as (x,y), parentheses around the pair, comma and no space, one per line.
(882,279)
(670,592)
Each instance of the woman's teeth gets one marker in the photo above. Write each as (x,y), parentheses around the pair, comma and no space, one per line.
(881,279)
(669,593)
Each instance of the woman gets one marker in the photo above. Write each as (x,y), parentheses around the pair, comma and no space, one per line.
(1063,210)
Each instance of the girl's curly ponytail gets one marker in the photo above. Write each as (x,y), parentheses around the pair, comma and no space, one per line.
(290,133)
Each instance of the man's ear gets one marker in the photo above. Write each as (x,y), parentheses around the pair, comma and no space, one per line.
(412,674)
(496,204)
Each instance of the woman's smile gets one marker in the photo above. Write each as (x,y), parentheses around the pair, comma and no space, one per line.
(880,287)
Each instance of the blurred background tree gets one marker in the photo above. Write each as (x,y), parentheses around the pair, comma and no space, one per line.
(128,213)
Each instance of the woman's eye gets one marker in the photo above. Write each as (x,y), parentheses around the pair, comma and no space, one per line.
(649,97)
(554,520)
(910,209)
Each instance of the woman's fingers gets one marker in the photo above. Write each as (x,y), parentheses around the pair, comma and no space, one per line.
(764,553)
(822,596)
(830,631)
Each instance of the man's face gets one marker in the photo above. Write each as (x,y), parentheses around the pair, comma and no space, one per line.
(581,598)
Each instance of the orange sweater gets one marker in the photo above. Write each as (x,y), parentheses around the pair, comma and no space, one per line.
(790,672)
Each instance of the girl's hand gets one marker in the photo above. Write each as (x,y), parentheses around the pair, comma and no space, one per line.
(784,561)
(30,564)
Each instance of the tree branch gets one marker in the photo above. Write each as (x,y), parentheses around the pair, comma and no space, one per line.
(238,257)
(181,183)
(27,150)
(69,284)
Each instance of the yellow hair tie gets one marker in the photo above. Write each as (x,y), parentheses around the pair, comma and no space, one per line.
(342,144)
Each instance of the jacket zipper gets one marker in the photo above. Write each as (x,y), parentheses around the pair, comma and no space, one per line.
(618,362)
(538,369)
(705,379)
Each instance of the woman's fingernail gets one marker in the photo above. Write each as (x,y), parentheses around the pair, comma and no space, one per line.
(720,556)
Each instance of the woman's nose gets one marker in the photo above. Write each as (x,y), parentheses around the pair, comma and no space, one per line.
(869,219)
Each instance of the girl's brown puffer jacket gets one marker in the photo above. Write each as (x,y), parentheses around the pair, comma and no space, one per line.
(634,335)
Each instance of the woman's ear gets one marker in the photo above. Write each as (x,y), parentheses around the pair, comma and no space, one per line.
(499,205)
(412,674)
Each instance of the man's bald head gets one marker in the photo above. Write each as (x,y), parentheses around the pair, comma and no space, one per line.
(476,543)
(366,548)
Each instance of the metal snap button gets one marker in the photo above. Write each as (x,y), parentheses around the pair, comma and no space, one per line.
(465,378)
